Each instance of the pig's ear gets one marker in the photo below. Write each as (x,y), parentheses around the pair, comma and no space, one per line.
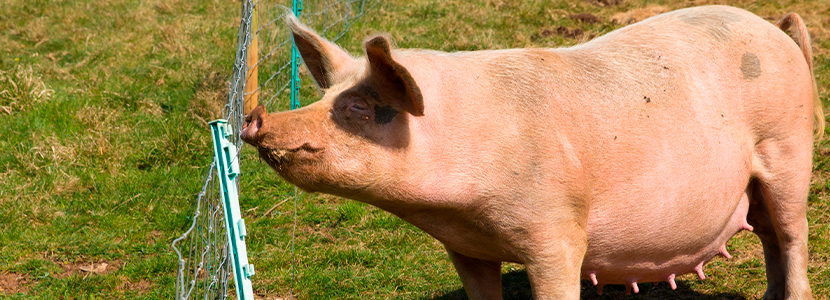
(322,58)
(393,77)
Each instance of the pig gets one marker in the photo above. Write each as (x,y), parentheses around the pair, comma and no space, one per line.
(630,158)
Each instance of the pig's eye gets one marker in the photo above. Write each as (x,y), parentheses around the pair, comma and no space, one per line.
(357,107)
(359,111)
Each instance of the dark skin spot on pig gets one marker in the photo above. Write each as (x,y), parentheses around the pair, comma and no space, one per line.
(721,34)
(750,66)
(647,99)
(384,115)
(351,113)
(715,22)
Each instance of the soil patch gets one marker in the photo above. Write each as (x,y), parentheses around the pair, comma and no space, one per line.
(86,269)
(563,31)
(141,287)
(606,2)
(11,283)
(585,18)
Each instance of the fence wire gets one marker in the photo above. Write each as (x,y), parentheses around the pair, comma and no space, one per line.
(204,264)
(332,19)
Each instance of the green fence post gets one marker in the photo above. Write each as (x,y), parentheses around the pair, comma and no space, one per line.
(227,165)
(295,103)
(295,63)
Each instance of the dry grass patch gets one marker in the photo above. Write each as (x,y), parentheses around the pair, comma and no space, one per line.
(103,123)
(45,153)
(67,184)
(211,97)
(99,118)
(150,107)
(20,88)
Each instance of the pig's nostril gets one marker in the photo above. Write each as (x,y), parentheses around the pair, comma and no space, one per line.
(248,135)
(249,130)
(248,119)
(247,122)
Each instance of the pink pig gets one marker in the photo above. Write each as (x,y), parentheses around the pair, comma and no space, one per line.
(630,158)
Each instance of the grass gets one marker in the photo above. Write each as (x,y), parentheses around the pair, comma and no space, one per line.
(103,107)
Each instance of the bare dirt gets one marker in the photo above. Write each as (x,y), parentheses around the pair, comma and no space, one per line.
(585,18)
(11,283)
(563,31)
(86,269)
(141,287)
(604,3)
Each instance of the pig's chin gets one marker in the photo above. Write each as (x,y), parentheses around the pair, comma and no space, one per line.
(281,158)
(293,163)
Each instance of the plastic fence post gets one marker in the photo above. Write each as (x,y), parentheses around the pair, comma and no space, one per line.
(227,165)
(295,63)
(295,103)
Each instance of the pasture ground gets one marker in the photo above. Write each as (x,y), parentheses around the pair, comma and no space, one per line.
(103,109)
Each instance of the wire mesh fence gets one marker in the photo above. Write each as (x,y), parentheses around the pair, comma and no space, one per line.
(261,73)
(204,265)
(331,19)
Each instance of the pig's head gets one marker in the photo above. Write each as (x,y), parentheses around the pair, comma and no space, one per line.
(352,138)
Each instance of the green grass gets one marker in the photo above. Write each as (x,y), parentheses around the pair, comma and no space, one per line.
(105,147)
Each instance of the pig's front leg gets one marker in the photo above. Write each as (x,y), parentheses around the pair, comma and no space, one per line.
(554,262)
(481,278)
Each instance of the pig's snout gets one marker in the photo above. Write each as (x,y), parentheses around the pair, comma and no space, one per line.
(252,125)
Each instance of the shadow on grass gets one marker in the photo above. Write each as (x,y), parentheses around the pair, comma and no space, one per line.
(517,287)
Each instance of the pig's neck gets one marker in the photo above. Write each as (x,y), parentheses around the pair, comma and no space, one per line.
(446,190)
(473,126)
(444,164)
(442,169)
(483,141)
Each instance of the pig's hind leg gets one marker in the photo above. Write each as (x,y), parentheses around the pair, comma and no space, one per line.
(778,208)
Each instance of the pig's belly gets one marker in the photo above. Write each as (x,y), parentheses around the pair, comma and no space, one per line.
(651,240)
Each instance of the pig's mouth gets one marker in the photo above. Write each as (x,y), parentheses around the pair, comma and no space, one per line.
(279,157)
